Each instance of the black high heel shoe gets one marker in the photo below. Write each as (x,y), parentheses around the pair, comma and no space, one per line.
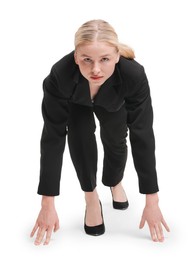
(119,205)
(95,230)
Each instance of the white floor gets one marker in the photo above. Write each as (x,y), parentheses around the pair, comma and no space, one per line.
(122,237)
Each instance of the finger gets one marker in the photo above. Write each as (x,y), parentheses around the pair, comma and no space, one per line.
(37,236)
(159,233)
(48,236)
(153,234)
(34,230)
(40,236)
(56,227)
(142,223)
(165,225)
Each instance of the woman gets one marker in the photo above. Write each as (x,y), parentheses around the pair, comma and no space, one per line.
(100,77)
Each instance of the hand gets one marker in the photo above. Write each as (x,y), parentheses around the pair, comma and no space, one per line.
(152,214)
(46,222)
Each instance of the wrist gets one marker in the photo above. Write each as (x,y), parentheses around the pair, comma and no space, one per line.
(47,201)
(152,199)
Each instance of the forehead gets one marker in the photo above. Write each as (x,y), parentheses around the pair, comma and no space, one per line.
(96,49)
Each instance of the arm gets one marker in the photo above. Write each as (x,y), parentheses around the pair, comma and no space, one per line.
(55,115)
(140,121)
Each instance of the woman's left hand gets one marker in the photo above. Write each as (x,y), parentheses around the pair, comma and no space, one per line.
(152,214)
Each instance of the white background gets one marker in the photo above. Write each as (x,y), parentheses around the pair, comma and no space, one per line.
(34,35)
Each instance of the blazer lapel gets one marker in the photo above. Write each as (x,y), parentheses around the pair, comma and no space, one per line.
(81,93)
(110,95)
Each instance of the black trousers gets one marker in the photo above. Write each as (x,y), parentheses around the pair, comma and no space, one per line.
(83,146)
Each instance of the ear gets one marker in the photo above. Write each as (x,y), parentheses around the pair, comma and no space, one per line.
(75,58)
(118,57)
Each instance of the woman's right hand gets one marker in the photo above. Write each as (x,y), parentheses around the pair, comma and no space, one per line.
(46,222)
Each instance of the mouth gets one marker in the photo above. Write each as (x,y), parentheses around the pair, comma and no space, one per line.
(96,77)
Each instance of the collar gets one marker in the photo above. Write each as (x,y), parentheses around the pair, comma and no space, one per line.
(110,95)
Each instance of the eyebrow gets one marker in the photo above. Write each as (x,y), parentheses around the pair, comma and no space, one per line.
(85,55)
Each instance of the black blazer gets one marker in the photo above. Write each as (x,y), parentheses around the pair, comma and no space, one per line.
(127,86)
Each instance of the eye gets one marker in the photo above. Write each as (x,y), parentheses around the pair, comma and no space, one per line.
(105,59)
(87,60)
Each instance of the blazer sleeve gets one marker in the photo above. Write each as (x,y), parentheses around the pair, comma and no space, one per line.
(140,124)
(55,116)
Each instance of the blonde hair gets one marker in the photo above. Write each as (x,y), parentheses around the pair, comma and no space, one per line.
(101,30)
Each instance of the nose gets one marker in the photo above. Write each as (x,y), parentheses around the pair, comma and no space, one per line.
(96,68)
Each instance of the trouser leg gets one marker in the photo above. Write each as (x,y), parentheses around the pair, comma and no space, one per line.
(82,145)
(113,131)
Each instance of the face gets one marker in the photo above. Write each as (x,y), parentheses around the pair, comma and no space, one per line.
(96,61)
